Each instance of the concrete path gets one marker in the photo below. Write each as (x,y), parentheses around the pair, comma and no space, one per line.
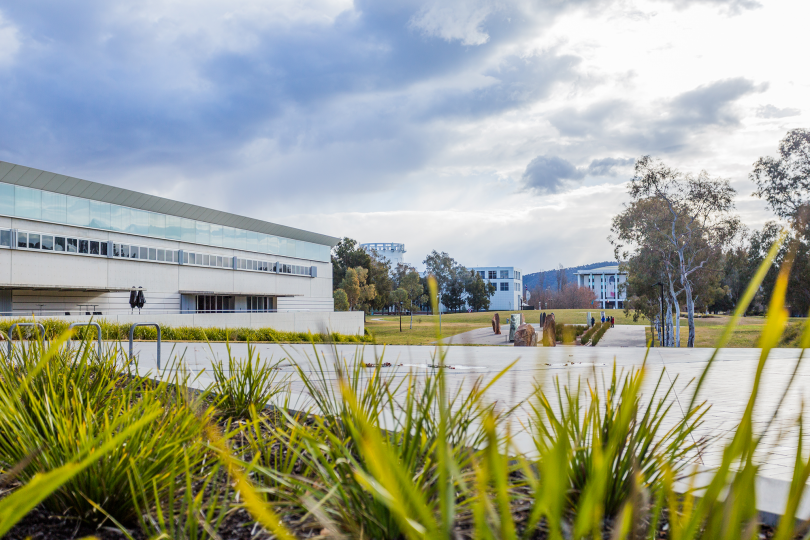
(624,335)
(727,386)
(483,336)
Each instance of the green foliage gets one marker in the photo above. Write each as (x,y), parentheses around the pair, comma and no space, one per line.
(245,386)
(600,331)
(479,292)
(111,331)
(341,300)
(568,333)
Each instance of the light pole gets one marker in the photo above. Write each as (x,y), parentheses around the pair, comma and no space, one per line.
(439,295)
(663,328)
(400,316)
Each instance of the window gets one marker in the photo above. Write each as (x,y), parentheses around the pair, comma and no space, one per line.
(22,239)
(205,259)
(493,274)
(152,254)
(144,253)
(72,245)
(161,255)
(84,246)
(504,274)
(59,244)
(259,303)
(482,273)
(103,246)
(33,241)
(47,242)
(5,238)
(504,285)
(219,261)
(94,248)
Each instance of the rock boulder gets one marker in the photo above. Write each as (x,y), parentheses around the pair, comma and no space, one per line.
(525,336)
(496,324)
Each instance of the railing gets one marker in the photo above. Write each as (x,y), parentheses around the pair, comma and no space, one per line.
(98,330)
(132,336)
(15,325)
(114,312)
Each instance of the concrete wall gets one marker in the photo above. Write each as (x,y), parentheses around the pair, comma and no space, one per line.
(342,322)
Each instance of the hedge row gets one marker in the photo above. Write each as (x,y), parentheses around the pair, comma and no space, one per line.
(568,333)
(600,332)
(120,332)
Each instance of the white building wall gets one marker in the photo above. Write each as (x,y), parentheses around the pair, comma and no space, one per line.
(608,285)
(504,300)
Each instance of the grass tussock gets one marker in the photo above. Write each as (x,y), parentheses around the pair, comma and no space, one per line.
(375,453)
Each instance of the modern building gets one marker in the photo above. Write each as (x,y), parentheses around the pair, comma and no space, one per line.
(608,284)
(394,253)
(73,247)
(508,281)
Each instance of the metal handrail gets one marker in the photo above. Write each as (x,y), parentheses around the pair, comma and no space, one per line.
(98,329)
(132,336)
(15,325)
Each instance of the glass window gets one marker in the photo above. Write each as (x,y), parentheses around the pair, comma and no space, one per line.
(188,230)
(100,215)
(119,218)
(227,262)
(255,265)
(78,211)
(504,285)
(185,258)
(263,243)
(213,261)
(152,254)
(33,241)
(504,274)
(219,261)
(493,274)
(272,245)
(54,207)
(157,225)
(252,239)
(93,247)
(482,274)
(59,243)
(84,246)
(203,233)
(7,200)
(205,260)
(116,250)
(174,226)
(216,235)
(103,246)
(139,222)
(133,252)
(192,258)
(229,237)
(5,238)
(290,250)
(27,202)
(72,245)
(125,251)
(171,256)
(22,239)
(241,238)
(144,252)
(161,255)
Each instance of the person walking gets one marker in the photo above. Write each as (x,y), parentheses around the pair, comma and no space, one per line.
(603,318)
(593,321)
(612,322)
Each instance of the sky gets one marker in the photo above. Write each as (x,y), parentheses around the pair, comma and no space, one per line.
(502,132)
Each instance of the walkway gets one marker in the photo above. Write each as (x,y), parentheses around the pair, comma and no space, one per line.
(624,335)
(727,386)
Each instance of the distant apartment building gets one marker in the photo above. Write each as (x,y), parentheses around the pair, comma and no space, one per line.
(392,252)
(508,282)
(608,285)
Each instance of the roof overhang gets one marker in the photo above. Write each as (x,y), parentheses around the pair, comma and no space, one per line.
(55,288)
(253,293)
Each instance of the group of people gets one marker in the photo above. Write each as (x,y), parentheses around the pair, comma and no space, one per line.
(611,320)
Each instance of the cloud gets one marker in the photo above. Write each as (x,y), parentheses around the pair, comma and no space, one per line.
(606,166)
(770,111)
(550,174)
(710,104)
(9,42)
(454,21)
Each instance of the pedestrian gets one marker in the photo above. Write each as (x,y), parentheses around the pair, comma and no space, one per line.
(603,318)
(612,322)
(593,321)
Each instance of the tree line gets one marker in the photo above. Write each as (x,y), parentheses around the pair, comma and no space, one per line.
(365,281)
(679,233)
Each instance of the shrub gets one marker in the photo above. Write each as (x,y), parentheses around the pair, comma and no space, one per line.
(245,386)
(604,327)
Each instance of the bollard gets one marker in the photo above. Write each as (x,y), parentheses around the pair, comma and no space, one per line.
(15,325)
(98,329)
(132,335)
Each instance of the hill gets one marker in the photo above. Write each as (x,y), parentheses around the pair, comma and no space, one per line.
(548,278)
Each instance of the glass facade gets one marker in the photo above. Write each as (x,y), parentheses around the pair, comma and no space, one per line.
(28,203)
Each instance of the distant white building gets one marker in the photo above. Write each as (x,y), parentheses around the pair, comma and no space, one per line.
(607,282)
(508,281)
(394,253)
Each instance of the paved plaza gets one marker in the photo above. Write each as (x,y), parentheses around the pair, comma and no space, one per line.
(727,387)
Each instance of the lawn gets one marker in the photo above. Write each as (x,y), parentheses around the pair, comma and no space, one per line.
(708,329)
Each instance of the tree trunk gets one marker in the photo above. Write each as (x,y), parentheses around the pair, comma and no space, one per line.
(677,309)
(668,325)
(690,302)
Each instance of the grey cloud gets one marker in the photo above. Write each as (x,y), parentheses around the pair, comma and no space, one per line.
(770,111)
(550,174)
(573,123)
(711,104)
(605,166)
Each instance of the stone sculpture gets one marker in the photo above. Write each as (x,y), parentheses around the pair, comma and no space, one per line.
(514,322)
(525,336)
(550,332)
(496,324)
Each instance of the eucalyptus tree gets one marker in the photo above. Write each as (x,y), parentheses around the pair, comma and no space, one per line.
(686,218)
(784,182)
